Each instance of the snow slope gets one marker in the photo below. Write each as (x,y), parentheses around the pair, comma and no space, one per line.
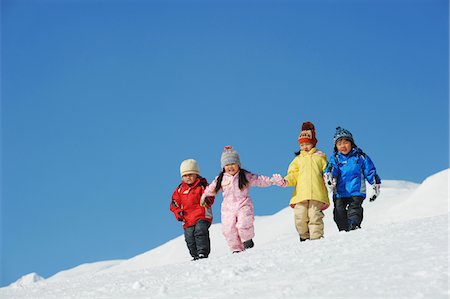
(401,252)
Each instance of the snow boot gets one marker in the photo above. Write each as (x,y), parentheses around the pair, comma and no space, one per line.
(249,244)
(352,226)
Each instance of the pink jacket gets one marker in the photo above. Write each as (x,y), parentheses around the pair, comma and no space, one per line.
(233,197)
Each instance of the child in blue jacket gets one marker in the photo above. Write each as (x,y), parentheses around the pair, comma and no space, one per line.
(345,175)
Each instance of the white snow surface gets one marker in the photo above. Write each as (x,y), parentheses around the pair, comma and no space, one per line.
(400,252)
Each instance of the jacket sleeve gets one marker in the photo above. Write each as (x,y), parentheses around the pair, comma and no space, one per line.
(208,199)
(323,161)
(292,175)
(370,172)
(209,190)
(258,180)
(175,204)
(332,167)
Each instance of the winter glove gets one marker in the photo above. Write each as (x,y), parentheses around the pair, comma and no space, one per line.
(330,182)
(376,192)
(278,180)
(203,201)
(180,216)
(206,202)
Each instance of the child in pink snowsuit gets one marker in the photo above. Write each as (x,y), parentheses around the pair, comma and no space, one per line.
(237,207)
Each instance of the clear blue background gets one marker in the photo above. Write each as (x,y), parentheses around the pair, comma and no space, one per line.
(102,100)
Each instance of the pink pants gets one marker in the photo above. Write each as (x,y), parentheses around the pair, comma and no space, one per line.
(237,225)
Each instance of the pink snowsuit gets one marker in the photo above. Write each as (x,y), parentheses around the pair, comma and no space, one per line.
(237,208)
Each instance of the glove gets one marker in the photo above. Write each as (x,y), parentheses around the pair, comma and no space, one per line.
(206,202)
(278,180)
(180,216)
(330,182)
(376,192)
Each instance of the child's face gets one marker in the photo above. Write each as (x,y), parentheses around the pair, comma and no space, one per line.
(232,169)
(344,146)
(189,178)
(306,146)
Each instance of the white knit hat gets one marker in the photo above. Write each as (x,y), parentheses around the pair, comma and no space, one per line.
(189,166)
(229,156)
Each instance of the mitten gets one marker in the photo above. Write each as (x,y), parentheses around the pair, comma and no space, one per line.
(180,216)
(376,192)
(330,182)
(207,202)
(278,180)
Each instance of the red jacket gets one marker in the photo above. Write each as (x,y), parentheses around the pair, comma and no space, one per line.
(186,203)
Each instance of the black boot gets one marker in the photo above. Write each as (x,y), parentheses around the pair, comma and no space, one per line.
(353,226)
(249,244)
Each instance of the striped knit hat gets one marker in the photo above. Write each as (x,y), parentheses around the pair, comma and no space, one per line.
(308,134)
(342,133)
(229,156)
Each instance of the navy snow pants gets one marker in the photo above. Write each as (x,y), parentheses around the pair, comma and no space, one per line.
(348,212)
(197,239)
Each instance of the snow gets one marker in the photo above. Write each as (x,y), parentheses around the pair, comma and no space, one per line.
(401,252)
(26,280)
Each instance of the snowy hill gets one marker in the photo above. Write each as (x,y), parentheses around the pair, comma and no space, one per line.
(26,280)
(402,251)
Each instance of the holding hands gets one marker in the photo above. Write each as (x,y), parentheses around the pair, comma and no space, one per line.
(278,180)
(206,201)
(330,182)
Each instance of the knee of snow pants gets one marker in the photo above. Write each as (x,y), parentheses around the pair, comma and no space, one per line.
(315,216)
(190,240)
(301,219)
(244,223)
(201,235)
(340,213)
(355,211)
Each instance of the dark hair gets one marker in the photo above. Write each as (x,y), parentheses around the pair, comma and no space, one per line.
(243,182)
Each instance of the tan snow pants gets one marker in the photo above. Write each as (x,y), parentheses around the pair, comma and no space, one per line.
(309,219)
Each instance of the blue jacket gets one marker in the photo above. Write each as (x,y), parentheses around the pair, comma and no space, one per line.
(351,171)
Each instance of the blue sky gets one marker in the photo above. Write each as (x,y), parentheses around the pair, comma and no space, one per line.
(102,100)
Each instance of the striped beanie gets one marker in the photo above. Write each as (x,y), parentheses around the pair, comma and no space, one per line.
(342,133)
(307,134)
(229,156)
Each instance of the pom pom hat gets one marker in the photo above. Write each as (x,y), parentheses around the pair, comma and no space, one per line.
(342,133)
(308,134)
(229,156)
(189,166)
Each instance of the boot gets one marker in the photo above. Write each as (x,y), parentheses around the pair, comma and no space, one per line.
(249,244)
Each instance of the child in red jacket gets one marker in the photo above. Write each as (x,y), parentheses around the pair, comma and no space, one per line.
(186,207)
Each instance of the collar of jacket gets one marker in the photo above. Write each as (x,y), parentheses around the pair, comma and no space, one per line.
(311,152)
(232,176)
(199,181)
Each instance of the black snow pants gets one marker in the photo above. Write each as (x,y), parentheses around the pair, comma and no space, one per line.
(197,239)
(348,212)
